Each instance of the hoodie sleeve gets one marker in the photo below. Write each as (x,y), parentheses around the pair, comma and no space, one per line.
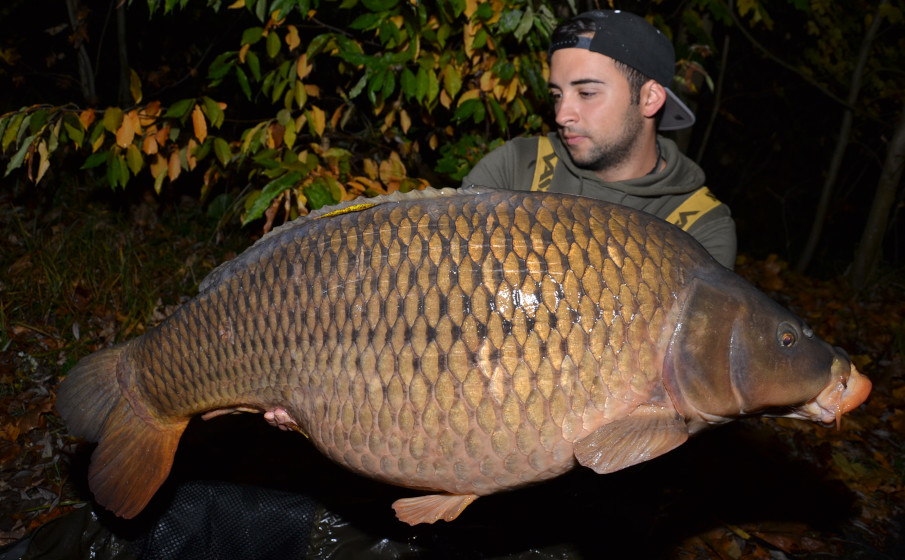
(511,166)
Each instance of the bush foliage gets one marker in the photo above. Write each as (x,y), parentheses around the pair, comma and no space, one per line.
(359,97)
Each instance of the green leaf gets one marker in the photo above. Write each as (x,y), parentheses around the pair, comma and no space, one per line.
(498,115)
(433,86)
(273,44)
(525,25)
(254,64)
(243,82)
(37,120)
(358,87)
(318,194)
(134,159)
(367,21)
(270,191)
(222,151)
(221,66)
(17,159)
(285,7)
(77,135)
(96,159)
(509,20)
(12,129)
(473,108)
(179,109)
(113,119)
(408,85)
(213,111)
(484,11)
(452,81)
(379,5)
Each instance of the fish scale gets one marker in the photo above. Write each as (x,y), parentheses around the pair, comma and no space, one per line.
(460,343)
(393,295)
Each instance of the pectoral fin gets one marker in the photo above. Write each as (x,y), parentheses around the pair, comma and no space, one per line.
(432,508)
(645,434)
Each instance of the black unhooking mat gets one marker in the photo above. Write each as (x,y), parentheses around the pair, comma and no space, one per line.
(240,490)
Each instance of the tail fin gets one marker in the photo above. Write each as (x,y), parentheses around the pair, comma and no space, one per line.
(135,450)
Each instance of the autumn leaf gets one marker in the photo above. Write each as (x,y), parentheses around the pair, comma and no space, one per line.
(174,167)
(44,160)
(199,124)
(317,120)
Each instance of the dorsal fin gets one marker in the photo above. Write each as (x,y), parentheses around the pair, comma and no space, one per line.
(227,268)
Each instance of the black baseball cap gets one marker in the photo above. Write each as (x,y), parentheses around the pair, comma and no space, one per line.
(630,39)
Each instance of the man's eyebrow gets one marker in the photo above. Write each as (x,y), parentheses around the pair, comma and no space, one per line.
(580,82)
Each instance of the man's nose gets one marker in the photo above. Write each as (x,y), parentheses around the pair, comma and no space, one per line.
(565,112)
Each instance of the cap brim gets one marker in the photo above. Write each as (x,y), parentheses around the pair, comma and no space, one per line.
(676,115)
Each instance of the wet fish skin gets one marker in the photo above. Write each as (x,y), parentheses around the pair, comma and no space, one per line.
(461,343)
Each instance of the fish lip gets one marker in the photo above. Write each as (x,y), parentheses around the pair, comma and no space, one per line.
(846,393)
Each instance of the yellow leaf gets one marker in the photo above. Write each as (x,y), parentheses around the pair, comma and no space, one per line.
(445,99)
(388,121)
(470,94)
(433,142)
(468,33)
(237,4)
(163,134)
(302,68)
(404,121)
(135,86)
(113,119)
(199,123)
(97,143)
(289,136)
(86,117)
(190,154)
(125,134)
(371,168)
(149,143)
(158,166)
(318,120)
(312,90)
(44,161)
(470,7)
(512,90)
(134,159)
(174,166)
(292,37)
(392,170)
(337,114)
(243,51)
(149,114)
(488,81)
(275,135)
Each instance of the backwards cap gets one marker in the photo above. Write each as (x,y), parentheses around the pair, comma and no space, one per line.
(630,39)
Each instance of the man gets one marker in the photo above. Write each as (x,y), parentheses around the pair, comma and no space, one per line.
(609,78)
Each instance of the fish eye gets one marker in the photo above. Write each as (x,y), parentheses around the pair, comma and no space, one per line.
(787,335)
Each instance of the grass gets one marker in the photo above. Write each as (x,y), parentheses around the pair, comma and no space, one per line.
(81,269)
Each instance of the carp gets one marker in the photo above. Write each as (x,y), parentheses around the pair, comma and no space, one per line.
(459,342)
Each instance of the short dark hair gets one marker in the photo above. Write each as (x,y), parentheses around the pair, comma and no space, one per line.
(583,26)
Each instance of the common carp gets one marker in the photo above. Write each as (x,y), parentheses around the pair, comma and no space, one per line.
(460,342)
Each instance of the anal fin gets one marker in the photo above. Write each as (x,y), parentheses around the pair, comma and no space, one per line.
(432,508)
(131,461)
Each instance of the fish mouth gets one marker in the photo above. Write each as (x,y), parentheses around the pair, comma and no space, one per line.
(846,393)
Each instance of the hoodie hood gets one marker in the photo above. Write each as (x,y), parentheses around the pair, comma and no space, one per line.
(680,176)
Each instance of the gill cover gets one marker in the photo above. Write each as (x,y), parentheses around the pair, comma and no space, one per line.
(735,351)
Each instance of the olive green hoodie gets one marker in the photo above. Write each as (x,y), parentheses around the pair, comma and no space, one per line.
(512,166)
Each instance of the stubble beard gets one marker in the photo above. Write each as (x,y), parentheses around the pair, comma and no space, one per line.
(609,155)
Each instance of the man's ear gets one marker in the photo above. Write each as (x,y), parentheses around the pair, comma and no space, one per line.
(653,96)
